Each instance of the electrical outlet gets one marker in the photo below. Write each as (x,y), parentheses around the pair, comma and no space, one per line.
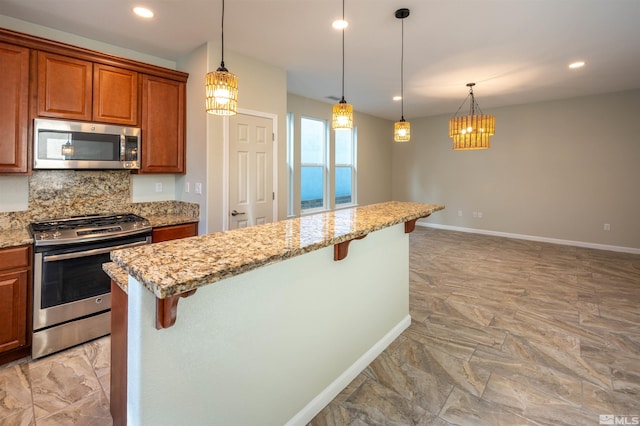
(198,188)
(459,213)
(479,215)
(187,186)
(158,186)
(606,227)
(475,214)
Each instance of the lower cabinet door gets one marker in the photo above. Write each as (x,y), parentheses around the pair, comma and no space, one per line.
(13,310)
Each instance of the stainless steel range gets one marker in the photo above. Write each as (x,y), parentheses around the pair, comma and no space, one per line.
(71,295)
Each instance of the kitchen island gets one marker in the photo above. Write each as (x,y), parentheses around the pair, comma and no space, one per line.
(272,322)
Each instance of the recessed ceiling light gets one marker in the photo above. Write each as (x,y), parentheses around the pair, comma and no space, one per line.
(340,24)
(143,12)
(397,98)
(578,64)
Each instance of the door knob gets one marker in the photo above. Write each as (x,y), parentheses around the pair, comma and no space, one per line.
(236,213)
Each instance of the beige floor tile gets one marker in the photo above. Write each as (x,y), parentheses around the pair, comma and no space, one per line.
(503,332)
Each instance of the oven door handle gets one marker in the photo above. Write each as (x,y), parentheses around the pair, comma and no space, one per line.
(86,253)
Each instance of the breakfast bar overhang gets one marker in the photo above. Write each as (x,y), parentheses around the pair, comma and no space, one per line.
(264,325)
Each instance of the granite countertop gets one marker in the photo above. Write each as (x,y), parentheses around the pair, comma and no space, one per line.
(174,267)
(21,236)
(15,237)
(169,219)
(117,274)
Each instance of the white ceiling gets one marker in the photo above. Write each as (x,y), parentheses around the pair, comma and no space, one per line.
(517,51)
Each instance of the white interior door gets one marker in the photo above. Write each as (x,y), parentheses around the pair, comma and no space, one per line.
(250,170)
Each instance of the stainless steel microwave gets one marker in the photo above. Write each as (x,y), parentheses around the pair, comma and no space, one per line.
(60,144)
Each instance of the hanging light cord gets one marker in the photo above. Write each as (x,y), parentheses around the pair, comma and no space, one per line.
(402,74)
(222,67)
(473,104)
(342,101)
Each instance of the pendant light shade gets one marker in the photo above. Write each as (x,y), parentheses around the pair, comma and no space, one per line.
(342,117)
(471,131)
(402,131)
(222,92)
(67,149)
(402,128)
(221,87)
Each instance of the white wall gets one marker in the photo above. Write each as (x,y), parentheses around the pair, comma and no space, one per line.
(15,193)
(261,87)
(558,170)
(375,140)
(195,63)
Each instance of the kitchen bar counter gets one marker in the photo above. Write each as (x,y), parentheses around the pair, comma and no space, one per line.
(176,267)
(117,275)
(284,317)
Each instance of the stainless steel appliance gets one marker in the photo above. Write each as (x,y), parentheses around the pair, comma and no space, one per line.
(71,295)
(60,144)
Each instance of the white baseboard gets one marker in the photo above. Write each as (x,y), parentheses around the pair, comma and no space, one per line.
(532,238)
(316,405)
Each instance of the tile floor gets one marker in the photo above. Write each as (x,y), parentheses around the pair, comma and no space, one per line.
(504,332)
(67,388)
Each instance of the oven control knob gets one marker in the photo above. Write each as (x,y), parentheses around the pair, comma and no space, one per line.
(56,234)
(136,224)
(43,236)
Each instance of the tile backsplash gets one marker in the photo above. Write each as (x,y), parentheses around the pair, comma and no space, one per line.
(61,193)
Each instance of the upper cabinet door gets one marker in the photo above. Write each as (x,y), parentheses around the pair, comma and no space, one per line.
(64,87)
(163,125)
(14,119)
(115,95)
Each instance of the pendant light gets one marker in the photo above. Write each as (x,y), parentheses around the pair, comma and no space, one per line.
(222,87)
(471,131)
(68,149)
(402,128)
(342,117)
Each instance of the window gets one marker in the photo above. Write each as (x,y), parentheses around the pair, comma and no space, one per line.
(313,163)
(290,163)
(327,169)
(345,167)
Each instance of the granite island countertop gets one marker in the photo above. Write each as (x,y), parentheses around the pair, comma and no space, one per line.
(174,267)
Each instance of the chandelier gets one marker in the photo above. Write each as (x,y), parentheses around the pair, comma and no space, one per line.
(471,131)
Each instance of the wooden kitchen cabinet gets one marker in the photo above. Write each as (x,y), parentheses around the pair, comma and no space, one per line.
(64,87)
(163,125)
(45,78)
(14,118)
(174,232)
(115,95)
(15,302)
(75,89)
